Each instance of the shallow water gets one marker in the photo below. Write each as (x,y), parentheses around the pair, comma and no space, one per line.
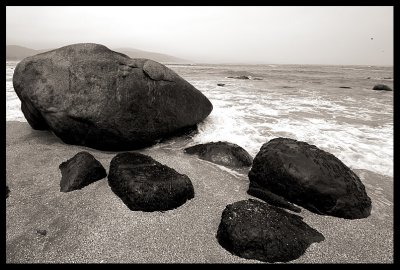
(303,102)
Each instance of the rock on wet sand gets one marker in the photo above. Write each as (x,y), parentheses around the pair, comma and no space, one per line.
(80,171)
(90,95)
(144,184)
(255,230)
(310,177)
(223,153)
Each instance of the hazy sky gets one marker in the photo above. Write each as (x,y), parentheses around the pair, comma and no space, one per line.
(281,35)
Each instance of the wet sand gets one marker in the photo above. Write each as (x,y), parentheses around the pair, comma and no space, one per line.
(93,225)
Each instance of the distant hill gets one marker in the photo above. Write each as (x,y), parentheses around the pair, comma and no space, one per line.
(159,57)
(14,52)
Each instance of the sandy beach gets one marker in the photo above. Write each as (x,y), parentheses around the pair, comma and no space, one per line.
(93,225)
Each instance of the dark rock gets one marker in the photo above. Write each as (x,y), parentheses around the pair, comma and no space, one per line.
(382,87)
(312,178)
(220,84)
(255,230)
(7,192)
(42,232)
(387,78)
(240,77)
(144,184)
(80,171)
(368,78)
(223,153)
(345,87)
(92,96)
(271,198)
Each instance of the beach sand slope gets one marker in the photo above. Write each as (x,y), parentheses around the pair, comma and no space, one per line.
(93,225)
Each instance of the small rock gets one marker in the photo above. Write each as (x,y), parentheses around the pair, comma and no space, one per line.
(239,77)
(80,171)
(220,84)
(41,232)
(144,184)
(255,230)
(223,153)
(345,87)
(382,87)
(7,191)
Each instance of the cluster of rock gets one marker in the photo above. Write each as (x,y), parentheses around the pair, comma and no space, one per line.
(92,96)
(283,173)
(141,182)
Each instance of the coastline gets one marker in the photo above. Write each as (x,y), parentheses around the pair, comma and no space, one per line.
(92,225)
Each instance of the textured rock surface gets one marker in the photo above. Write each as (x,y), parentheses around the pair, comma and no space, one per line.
(270,197)
(144,184)
(223,153)
(89,95)
(255,230)
(382,87)
(311,178)
(80,171)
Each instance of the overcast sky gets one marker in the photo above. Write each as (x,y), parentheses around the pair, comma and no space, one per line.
(280,35)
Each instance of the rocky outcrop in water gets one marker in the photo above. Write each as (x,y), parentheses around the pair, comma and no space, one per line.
(239,77)
(92,96)
(79,171)
(383,87)
(144,184)
(223,153)
(309,177)
(255,230)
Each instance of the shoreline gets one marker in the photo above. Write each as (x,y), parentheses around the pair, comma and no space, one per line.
(92,225)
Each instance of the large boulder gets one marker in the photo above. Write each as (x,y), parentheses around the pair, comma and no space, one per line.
(223,153)
(383,87)
(89,95)
(144,184)
(255,230)
(309,177)
(79,171)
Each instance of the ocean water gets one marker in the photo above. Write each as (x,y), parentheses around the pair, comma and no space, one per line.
(303,102)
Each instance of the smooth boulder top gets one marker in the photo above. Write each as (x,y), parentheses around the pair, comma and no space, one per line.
(255,230)
(144,184)
(223,153)
(309,177)
(79,171)
(90,95)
